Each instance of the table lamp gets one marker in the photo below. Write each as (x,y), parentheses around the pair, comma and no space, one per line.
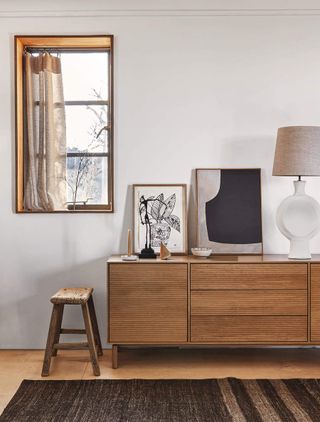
(297,153)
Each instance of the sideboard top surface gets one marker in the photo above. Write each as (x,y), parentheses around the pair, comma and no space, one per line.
(216,259)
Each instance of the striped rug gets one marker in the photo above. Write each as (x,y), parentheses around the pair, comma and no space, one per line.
(166,400)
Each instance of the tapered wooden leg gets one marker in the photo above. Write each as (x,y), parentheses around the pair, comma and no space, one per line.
(95,327)
(56,311)
(91,343)
(59,323)
(114,356)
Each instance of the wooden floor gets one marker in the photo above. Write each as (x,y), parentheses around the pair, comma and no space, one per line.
(16,365)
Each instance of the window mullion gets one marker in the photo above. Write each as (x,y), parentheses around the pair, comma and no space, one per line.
(86,102)
(88,154)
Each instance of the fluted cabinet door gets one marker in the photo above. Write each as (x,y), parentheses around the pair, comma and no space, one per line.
(148,303)
(315,302)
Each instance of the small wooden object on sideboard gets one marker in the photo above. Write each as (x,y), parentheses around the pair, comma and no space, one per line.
(222,300)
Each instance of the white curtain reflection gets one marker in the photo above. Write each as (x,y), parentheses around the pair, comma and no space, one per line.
(45,149)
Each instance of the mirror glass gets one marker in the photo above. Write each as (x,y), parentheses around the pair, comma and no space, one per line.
(64,124)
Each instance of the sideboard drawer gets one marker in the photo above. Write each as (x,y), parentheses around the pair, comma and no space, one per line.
(249,302)
(228,329)
(147,274)
(249,276)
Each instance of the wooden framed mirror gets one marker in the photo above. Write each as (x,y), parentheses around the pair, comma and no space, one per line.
(64,123)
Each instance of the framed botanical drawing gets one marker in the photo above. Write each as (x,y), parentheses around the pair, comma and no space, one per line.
(229,210)
(165,209)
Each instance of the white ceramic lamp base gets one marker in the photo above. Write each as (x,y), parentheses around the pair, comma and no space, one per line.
(298,219)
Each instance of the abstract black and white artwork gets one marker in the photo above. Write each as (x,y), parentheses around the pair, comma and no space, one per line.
(229,210)
(160,216)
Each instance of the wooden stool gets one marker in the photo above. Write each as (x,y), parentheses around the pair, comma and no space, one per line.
(73,296)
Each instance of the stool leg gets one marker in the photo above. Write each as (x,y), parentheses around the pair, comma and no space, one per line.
(95,327)
(59,323)
(92,346)
(114,356)
(50,340)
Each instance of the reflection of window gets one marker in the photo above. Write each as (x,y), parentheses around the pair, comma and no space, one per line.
(81,163)
(86,104)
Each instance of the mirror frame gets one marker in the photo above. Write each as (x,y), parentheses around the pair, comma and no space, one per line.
(104,42)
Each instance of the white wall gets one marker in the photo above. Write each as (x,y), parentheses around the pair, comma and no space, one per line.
(193,88)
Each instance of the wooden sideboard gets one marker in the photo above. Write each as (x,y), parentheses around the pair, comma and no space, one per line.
(222,300)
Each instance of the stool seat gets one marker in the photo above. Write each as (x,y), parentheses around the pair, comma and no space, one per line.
(72,295)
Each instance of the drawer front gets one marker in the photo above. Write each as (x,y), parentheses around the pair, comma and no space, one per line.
(147,274)
(228,329)
(249,276)
(148,303)
(249,302)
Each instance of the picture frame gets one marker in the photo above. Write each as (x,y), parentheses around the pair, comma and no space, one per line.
(229,215)
(167,210)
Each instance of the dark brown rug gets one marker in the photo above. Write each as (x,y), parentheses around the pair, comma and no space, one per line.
(166,400)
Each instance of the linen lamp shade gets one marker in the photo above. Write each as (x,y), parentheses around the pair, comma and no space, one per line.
(297,151)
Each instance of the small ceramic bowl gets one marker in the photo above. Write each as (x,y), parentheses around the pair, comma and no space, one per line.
(203,252)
